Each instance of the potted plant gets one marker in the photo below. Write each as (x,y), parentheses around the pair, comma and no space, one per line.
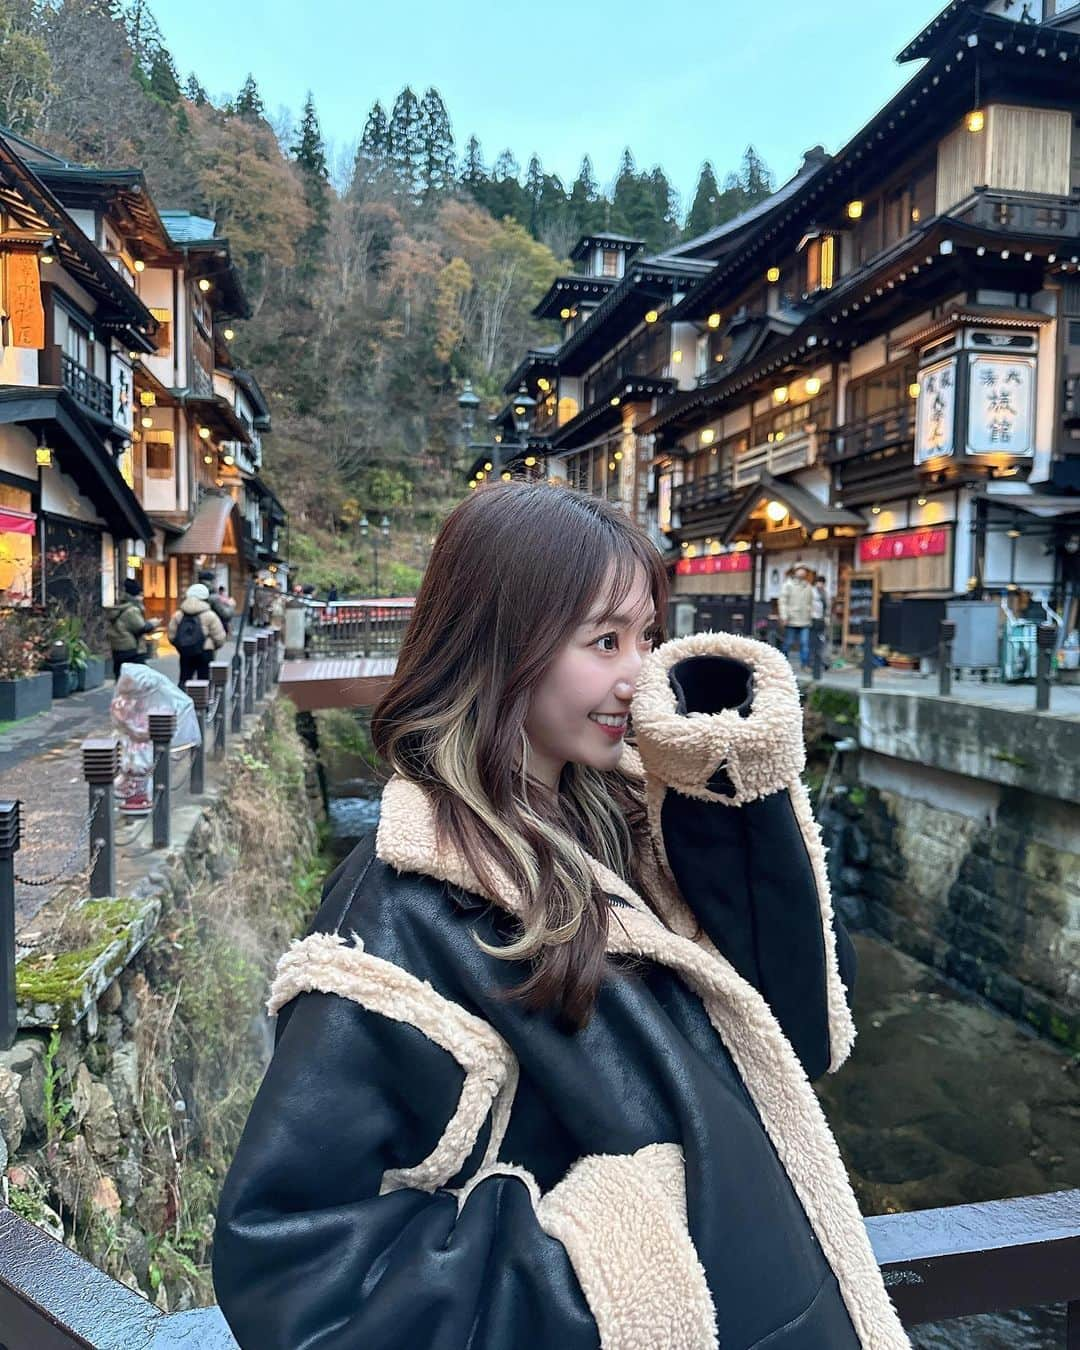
(88,669)
(24,688)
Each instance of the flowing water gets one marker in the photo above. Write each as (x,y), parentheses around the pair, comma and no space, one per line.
(943,1102)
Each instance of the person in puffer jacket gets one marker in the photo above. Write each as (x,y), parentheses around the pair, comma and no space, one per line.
(197,633)
(542,1073)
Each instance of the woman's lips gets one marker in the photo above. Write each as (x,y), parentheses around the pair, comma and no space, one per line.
(614,733)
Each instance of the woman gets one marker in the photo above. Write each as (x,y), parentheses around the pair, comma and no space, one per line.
(197,633)
(128,627)
(541,1067)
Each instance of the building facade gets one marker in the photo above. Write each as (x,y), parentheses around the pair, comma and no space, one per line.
(145,362)
(875,371)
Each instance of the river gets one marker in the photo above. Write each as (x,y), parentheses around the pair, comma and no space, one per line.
(943,1102)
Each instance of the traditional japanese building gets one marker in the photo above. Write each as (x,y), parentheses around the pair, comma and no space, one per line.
(69,518)
(887,351)
(191,449)
(875,371)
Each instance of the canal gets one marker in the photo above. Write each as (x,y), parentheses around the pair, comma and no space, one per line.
(944,1100)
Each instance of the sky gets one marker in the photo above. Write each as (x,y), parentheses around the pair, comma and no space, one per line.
(697,81)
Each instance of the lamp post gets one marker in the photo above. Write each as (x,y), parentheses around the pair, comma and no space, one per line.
(522,409)
(384,530)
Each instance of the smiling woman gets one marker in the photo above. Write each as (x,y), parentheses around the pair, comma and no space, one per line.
(560,1014)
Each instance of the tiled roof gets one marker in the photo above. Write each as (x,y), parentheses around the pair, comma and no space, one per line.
(185,228)
(206,533)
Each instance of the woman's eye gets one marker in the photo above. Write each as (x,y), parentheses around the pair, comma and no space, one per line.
(608,637)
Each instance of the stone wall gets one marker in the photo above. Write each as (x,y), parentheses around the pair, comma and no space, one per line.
(975,878)
(117,1121)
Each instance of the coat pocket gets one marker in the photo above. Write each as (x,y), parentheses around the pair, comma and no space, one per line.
(622,1219)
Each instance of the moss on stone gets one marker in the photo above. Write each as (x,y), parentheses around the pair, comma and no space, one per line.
(58,979)
(835,705)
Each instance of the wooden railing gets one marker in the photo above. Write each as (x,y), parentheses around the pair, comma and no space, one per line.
(360,628)
(796,451)
(937,1264)
(892,427)
(707,491)
(93,393)
(1021,213)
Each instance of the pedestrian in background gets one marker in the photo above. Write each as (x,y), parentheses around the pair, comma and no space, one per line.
(797,613)
(128,627)
(197,633)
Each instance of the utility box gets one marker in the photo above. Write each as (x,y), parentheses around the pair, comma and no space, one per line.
(295,628)
(976,646)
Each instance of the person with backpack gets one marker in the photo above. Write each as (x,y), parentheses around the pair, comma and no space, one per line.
(128,627)
(221,602)
(197,633)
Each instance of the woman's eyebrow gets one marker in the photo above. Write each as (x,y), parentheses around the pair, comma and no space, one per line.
(620,618)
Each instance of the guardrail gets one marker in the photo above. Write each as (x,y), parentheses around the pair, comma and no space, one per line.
(937,1264)
(357,628)
(252,679)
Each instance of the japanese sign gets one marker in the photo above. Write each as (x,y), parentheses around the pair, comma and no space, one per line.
(904,544)
(721,562)
(24,300)
(937,406)
(1001,405)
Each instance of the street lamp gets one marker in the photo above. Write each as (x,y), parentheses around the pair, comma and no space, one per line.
(384,530)
(524,407)
(468,403)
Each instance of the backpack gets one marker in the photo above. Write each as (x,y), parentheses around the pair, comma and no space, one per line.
(190,637)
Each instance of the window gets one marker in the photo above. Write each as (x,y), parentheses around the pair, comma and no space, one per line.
(158,451)
(164,332)
(610,267)
(821,264)
(881,392)
(778,424)
(77,342)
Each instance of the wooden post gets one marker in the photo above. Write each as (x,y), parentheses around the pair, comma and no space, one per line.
(1046,638)
(868,627)
(162,730)
(101,763)
(946,637)
(262,680)
(219,680)
(199,693)
(9,846)
(251,649)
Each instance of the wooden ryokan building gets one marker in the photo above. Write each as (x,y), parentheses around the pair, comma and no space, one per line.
(875,370)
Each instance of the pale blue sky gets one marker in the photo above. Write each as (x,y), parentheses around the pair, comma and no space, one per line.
(679,85)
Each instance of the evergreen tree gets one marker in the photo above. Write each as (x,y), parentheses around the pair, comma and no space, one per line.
(703,211)
(309,151)
(586,210)
(310,156)
(370,164)
(755,179)
(664,227)
(249,102)
(553,216)
(504,195)
(195,92)
(473,176)
(534,189)
(437,168)
(405,144)
(163,82)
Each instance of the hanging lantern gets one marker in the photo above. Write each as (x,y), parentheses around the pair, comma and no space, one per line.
(975,120)
(772,275)
(854,210)
(813,386)
(776,511)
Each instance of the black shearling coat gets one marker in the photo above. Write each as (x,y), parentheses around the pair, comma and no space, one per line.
(428,1164)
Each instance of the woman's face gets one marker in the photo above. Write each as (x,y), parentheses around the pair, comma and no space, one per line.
(591,678)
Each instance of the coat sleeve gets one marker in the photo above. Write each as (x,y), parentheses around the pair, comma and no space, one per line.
(345,1221)
(215,629)
(719,728)
(174,624)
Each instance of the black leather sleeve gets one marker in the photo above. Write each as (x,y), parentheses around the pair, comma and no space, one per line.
(308,1254)
(746,874)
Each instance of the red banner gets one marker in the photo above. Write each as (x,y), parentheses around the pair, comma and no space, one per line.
(720,562)
(16,522)
(925,543)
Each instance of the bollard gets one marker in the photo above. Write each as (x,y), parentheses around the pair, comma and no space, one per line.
(1046,639)
(946,637)
(9,846)
(817,648)
(261,680)
(101,764)
(772,632)
(219,682)
(738,623)
(237,691)
(162,730)
(869,629)
(275,640)
(251,648)
(199,693)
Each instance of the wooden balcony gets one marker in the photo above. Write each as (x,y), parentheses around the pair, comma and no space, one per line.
(56,367)
(1023,213)
(894,426)
(705,492)
(796,451)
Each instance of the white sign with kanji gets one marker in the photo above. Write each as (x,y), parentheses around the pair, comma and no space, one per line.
(1001,405)
(937,406)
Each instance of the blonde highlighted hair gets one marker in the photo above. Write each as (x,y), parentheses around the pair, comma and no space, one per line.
(516,568)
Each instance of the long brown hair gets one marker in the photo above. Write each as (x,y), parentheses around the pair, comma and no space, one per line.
(514,571)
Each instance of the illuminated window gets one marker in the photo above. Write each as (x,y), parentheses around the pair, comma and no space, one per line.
(159,455)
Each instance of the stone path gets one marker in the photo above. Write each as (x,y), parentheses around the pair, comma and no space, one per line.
(41,766)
